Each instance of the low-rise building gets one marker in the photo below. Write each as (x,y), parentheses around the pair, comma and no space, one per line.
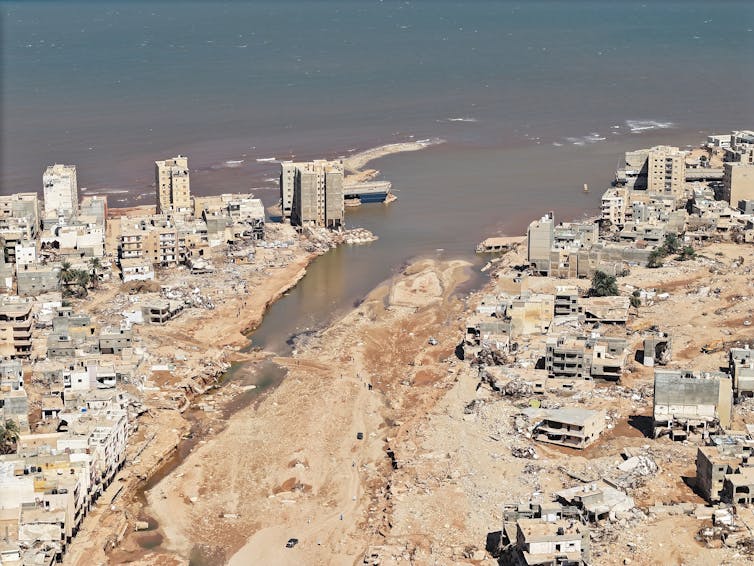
(741,368)
(688,403)
(160,311)
(585,357)
(15,329)
(724,455)
(570,427)
(136,269)
(549,543)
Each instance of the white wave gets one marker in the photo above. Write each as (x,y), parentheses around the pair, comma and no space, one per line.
(266,159)
(461,119)
(556,144)
(593,137)
(271,180)
(430,141)
(638,126)
(233,163)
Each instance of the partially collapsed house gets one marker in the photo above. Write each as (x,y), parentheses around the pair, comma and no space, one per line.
(541,533)
(570,427)
(585,357)
(687,403)
(723,469)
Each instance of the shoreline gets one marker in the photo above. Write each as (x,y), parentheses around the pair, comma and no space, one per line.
(227,340)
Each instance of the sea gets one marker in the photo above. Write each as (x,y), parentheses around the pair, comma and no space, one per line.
(532,99)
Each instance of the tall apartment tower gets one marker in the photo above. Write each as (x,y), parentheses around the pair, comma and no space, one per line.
(172,182)
(61,191)
(540,237)
(666,171)
(312,193)
(287,182)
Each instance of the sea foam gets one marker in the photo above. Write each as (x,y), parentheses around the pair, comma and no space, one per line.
(638,126)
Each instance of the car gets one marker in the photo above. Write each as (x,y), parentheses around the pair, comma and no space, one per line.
(291,543)
(359,436)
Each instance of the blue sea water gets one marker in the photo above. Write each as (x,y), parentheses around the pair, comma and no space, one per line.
(111,86)
(534,98)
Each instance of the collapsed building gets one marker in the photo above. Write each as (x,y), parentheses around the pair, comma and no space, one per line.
(741,369)
(657,349)
(541,534)
(687,403)
(585,357)
(568,426)
(724,469)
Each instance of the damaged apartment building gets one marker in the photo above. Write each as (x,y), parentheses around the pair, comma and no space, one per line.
(741,369)
(311,193)
(725,469)
(572,250)
(569,426)
(586,357)
(541,534)
(688,403)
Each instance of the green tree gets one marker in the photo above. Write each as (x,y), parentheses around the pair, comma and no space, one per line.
(655,258)
(81,280)
(636,299)
(95,264)
(66,276)
(603,285)
(672,244)
(9,435)
(687,252)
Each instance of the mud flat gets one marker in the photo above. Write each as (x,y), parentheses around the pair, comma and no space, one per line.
(293,466)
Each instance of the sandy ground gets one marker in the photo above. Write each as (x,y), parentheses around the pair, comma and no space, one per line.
(297,467)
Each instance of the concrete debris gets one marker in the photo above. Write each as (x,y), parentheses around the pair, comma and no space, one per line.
(527,452)
(639,465)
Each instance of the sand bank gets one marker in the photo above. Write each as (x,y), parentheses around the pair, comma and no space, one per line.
(355,163)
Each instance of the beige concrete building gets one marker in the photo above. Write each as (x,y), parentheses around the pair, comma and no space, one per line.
(570,427)
(15,329)
(725,456)
(172,183)
(614,205)
(686,403)
(539,241)
(666,171)
(287,183)
(60,189)
(738,182)
(317,194)
(156,240)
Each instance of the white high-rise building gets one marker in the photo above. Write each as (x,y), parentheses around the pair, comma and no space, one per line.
(61,192)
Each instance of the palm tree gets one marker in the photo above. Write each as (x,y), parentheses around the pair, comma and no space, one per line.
(9,435)
(82,279)
(66,276)
(95,264)
(603,285)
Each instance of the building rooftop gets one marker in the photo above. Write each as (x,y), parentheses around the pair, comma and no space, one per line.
(534,529)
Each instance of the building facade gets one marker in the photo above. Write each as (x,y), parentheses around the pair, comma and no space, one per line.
(666,171)
(172,184)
